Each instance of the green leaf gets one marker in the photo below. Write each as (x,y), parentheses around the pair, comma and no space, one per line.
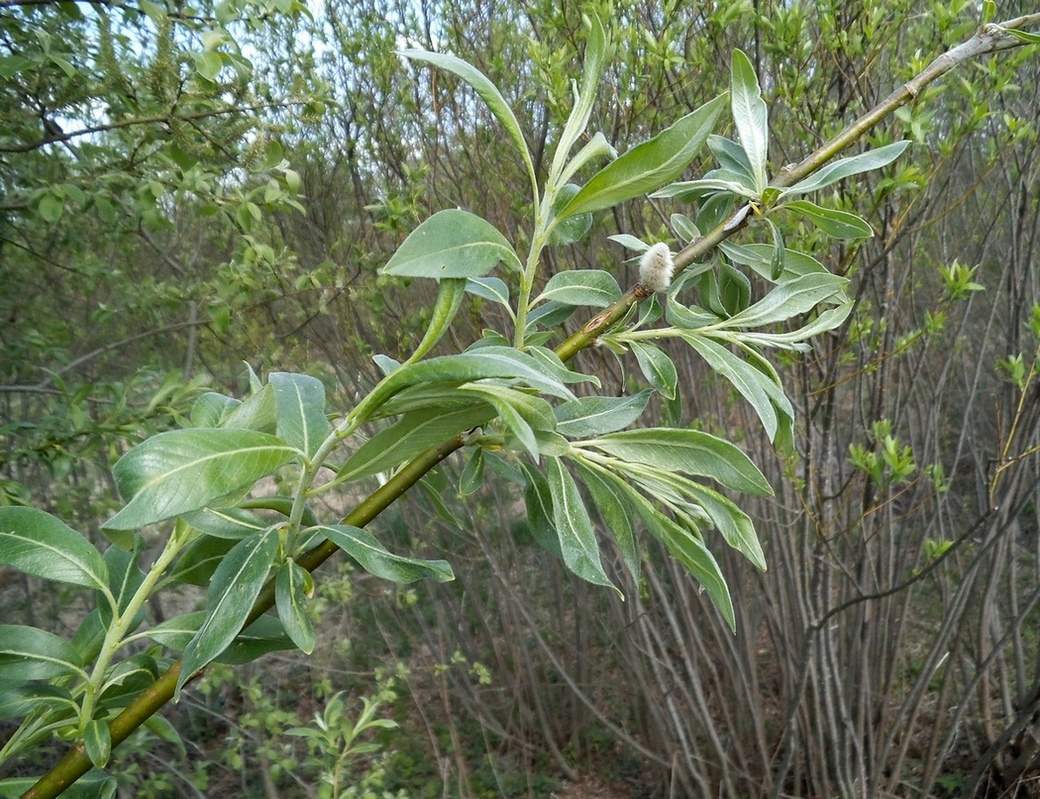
(451,243)
(490,288)
(416,432)
(125,577)
(594,416)
(262,636)
(1026,36)
(299,410)
(450,292)
(695,191)
(476,364)
(840,224)
(127,679)
(18,700)
(595,52)
(760,258)
(212,409)
(293,587)
(577,537)
(486,90)
(160,726)
(472,477)
(847,167)
(649,165)
(746,379)
(690,551)
(595,148)
(523,414)
(570,229)
(790,299)
(200,559)
(735,525)
(657,367)
(612,505)
(235,586)
(539,506)
(258,412)
(750,115)
(776,260)
(734,289)
(208,64)
(231,523)
(687,451)
(27,653)
(592,287)
(732,159)
(97,740)
(51,208)
(39,544)
(374,558)
(185,470)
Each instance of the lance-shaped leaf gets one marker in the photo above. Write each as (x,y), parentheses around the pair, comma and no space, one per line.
(840,224)
(594,416)
(847,167)
(262,636)
(595,51)
(610,501)
(735,525)
(658,369)
(414,433)
(649,165)
(686,547)
(97,740)
(185,470)
(750,115)
(27,653)
(450,292)
(212,409)
(752,384)
(231,523)
(539,505)
(789,299)
(293,588)
(20,699)
(299,410)
(573,228)
(485,89)
(255,413)
(478,363)
(690,551)
(489,288)
(578,545)
(39,544)
(524,415)
(235,586)
(732,159)
(794,339)
(592,287)
(200,559)
(452,243)
(374,558)
(760,257)
(687,451)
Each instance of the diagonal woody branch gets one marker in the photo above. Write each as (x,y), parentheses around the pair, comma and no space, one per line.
(991,38)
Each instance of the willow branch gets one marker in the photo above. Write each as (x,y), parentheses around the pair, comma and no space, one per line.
(992,38)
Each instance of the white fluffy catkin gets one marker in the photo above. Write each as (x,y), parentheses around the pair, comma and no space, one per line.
(655,268)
